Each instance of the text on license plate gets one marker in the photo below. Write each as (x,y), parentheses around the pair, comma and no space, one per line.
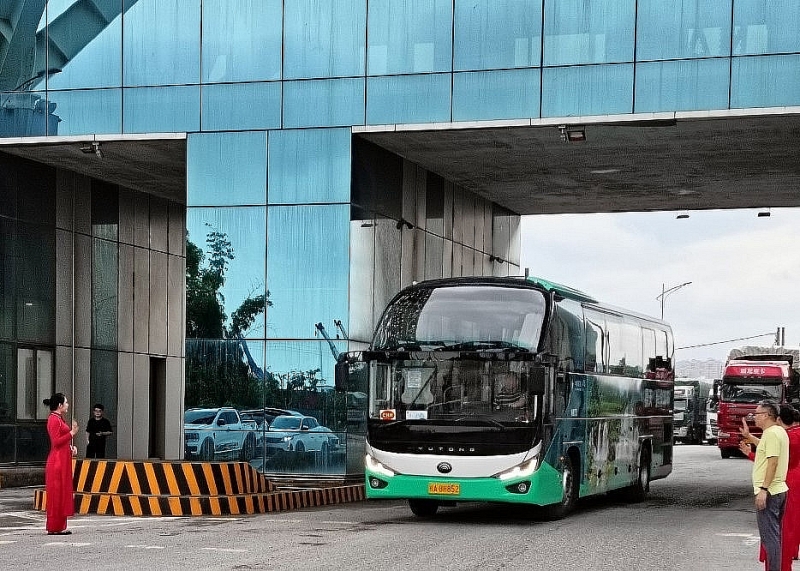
(444,489)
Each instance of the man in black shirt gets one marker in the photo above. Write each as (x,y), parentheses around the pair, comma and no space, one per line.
(98,429)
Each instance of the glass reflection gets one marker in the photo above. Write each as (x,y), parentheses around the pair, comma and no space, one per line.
(307,268)
(490,95)
(241,40)
(409,37)
(323,103)
(226,169)
(492,34)
(408,99)
(324,38)
(587,90)
(161,109)
(670,29)
(225,287)
(685,85)
(311,165)
(222,107)
(169,52)
(87,111)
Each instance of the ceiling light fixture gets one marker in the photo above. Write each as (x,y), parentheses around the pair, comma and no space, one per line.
(572,133)
(764,214)
(682,216)
(92,147)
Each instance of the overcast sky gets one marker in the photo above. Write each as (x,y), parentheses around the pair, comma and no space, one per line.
(744,270)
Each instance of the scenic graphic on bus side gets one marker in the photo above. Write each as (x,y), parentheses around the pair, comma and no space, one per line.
(512,390)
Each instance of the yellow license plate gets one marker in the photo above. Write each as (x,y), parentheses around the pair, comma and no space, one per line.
(444,489)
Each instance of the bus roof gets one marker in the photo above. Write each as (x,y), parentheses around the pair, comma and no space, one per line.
(562,290)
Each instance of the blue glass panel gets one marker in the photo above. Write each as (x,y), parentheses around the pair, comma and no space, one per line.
(492,34)
(687,85)
(509,94)
(577,31)
(241,40)
(587,90)
(241,106)
(83,47)
(245,230)
(87,111)
(323,103)
(26,114)
(766,81)
(161,109)
(409,36)
(310,165)
(766,27)
(226,168)
(307,266)
(161,43)
(670,29)
(324,38)
(408,99)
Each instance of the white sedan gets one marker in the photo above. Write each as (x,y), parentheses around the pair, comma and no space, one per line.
(299,434)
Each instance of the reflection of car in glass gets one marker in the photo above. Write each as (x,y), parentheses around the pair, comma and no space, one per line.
(299,434)
(212,432)
(263,418)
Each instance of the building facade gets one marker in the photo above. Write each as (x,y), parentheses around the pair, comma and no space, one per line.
(188,188)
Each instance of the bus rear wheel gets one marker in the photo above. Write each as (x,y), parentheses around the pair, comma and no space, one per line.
(423,508)
(569,492)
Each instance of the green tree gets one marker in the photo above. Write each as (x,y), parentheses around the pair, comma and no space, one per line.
(219,369)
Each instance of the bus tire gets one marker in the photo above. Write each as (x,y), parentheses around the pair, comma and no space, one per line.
(725,452)
(569,491)
(423,508)
(641,487)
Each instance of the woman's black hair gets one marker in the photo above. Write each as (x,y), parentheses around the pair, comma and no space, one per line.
(55,400)
(787,414)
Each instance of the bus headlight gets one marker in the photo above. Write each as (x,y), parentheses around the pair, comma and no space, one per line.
(374,466)
(520,470)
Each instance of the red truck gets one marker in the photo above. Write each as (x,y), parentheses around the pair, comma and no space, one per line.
(748,379)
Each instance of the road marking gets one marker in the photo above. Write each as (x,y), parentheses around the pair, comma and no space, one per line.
(146,546)
(23,515)
(65,544)
(735,534)
(6,542)
(225,549)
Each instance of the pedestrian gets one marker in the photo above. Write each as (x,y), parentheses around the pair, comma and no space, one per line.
(789,419)
(58,470)
(770,464)
(98,429)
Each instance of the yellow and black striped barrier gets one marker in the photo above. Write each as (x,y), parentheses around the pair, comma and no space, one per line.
(118,487)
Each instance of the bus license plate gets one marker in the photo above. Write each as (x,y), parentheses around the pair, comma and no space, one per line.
(444,489)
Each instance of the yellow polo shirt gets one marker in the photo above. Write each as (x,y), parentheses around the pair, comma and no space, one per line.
(774,442)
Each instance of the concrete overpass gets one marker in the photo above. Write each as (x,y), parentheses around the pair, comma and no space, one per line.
(649,162)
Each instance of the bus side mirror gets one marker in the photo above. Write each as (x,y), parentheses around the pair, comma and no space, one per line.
(537,380)
(341,372)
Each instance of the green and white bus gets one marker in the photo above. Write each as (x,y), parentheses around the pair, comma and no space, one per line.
(512,390)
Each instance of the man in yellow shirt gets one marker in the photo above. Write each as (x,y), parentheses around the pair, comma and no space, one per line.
(769,481)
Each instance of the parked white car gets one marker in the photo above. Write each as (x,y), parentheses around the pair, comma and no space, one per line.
(212,432)
(299,434)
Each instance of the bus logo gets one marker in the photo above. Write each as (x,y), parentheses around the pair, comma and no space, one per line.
(388,414)
(444,467)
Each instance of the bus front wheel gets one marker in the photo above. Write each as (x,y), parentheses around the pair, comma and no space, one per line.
(423,508)
(569,492)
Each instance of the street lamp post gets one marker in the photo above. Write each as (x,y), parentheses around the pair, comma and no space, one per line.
(665,292)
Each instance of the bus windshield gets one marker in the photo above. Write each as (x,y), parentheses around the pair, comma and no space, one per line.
(462,318)
(470,392)
(750,393)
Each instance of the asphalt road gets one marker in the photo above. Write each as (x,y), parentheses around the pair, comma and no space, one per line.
(699,518)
